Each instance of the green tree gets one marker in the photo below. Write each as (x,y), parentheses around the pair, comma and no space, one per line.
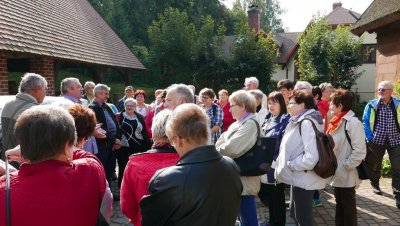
(328,55)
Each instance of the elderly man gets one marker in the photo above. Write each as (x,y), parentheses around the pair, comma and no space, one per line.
(381,124)
(178,94)
(129,92)
(106,117)
(32,90)
(71,89)
(251,83)
(88,96)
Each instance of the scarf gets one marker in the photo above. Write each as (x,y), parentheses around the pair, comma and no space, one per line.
(335,121)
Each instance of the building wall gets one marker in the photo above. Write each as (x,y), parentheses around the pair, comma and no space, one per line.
(3,74)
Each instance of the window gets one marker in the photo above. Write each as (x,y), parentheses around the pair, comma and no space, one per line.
(368,52)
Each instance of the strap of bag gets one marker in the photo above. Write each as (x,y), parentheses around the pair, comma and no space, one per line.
(258,127)
(313,125)
(8,194)
(347,134)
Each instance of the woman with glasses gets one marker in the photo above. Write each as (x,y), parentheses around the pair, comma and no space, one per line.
(213,111)
(236,141)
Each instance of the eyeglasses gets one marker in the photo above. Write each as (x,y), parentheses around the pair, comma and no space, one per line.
(130,105)
(205,97)
(383,90)
(292,102)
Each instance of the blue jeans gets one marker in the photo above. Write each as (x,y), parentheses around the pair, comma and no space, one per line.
(248,211)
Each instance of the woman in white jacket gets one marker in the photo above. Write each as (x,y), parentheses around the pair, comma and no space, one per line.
(349,154)
(299,155)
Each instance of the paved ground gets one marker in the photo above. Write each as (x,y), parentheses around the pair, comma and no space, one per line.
(372,209)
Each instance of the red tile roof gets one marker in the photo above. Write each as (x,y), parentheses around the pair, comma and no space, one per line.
(67,29)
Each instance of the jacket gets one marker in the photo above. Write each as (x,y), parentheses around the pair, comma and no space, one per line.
(240,137)
(298,153)
(203,188)
(9,116)
(346,175)
(261,115)
(371,113)
(109,141)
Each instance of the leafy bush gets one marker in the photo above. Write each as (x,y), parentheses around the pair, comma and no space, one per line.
(386,167)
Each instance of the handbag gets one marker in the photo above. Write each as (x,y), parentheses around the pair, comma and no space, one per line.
(257,161)
(362,169)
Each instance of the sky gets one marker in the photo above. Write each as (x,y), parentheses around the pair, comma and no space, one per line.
(299,12)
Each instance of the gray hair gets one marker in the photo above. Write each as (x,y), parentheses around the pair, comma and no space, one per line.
(303,85)
(88,83)
(325,85)
(257,94)
(386,83)
(30,81)
(100,88)
(130,99)
(159,125)
(67,83)
(252,80)
(244,98)
(183,91)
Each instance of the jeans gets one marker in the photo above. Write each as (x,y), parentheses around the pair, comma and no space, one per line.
(248,211)
(346,209)
(274,196)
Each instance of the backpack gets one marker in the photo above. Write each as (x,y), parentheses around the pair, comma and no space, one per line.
(327,163)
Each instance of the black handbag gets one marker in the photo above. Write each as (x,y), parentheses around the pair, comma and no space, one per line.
(257,161)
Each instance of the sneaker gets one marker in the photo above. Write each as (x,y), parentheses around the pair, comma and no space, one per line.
(375,188)
(316,202)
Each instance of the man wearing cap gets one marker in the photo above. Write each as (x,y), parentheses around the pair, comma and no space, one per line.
(128,93)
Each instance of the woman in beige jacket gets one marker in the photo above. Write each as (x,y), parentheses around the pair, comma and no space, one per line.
(349,154)
(236,141)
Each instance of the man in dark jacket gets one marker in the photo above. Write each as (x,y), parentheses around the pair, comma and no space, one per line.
(203,188)
(106,117)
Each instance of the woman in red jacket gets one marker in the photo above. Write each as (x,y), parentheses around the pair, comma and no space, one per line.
(57,185)
(223,102)
(141,167)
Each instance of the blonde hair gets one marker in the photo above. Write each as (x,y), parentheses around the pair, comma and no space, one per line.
(244,98)
(159,125)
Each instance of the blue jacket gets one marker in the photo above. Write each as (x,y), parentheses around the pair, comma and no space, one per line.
(371,113)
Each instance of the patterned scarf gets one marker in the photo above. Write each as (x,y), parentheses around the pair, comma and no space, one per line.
(335,121)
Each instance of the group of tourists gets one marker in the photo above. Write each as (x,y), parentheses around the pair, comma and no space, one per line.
(176,155)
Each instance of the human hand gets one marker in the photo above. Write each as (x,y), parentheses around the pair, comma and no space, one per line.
(117,144)
(3,168)
(15,155)
(99,132)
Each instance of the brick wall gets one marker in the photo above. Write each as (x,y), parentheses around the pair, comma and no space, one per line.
(45,67)
(3,74)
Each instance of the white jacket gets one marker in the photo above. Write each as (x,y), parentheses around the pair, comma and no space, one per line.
(298,154)
(261,115)
(348,159)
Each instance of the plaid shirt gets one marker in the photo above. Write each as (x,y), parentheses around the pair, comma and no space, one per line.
(215,120)
(386,131)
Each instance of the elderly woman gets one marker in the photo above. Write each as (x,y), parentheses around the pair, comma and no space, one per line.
(47,136)
(236,141)
(134,137)
(348,134)
(261,111)
(203,188)
(142,107)
(223,102)
(141,168)
(298,155)
(213,111)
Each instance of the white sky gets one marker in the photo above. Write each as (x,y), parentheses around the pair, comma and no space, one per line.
(299,12)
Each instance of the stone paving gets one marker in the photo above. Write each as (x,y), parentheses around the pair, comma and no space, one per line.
(372,209)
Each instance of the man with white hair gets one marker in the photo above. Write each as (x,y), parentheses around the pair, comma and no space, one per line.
(178,94)
(71,90)
(381,124)
(251,83)
(32,90)
(89,95)
(303,85)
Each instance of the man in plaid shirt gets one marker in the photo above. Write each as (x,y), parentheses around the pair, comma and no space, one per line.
(381,124)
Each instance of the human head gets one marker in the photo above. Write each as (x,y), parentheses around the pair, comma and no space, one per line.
(140,96)
(71,87)
(189,125)
(300,85)
(130,105)
(85,121)
(158,128)
(242,102)
(341,100)
(223,95)
(326,89)
(101,93)
(258,95)
(34,85)
(385,90)
(276,103)
(129,91)
(178,94)
(207,96)
(285,86)
(316,92)
(89,86)
(45,132)
(300,101)
(157,93)
(251,83)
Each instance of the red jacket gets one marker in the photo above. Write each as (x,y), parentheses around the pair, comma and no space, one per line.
(323,107)
(138,172)
(55,193)
(228,118)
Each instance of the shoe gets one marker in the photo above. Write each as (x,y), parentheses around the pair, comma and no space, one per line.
(316,203)
(397,197)
(375,188)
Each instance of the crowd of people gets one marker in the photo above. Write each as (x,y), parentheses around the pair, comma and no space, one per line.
(176,155)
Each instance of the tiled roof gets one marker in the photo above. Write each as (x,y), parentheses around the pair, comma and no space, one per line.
(67,29)
(378,14)
(285,42)
(343,16)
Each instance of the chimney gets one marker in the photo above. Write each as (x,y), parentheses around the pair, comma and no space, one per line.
(253,16)
(336,5)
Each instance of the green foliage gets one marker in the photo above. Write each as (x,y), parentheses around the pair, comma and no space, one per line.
(329,55)
(386,167)
(396,89)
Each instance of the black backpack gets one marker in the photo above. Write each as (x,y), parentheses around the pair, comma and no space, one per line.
(327,163)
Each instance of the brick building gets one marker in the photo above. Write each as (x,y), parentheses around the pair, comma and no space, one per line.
(43,35)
